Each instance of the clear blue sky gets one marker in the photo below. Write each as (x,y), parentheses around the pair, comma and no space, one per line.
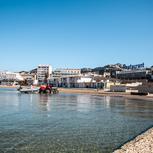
(75,33)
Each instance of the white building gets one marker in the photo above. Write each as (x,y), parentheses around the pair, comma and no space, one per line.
(65,72)
(69,81)
(44,73)
(65,77)
(77,82)
(86,82)
(10,78)
(5,75)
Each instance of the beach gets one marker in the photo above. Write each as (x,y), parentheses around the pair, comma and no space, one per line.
(103,93)
(5,86)
(96,92)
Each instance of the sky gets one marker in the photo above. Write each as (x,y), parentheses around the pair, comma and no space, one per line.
(75,33)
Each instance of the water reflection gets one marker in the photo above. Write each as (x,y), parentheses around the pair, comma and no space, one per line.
(44,102)
(69,123)
(107,101)
(84,103)
(132,108)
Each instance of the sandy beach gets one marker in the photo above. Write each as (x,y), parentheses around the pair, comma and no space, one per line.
(103,93)
(3,86)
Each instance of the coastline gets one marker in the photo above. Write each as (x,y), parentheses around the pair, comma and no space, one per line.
(3,86)
(95,92)
(143,143)
(103,93)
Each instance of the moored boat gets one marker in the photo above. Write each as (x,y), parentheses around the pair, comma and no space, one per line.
(29,89)
(42,90)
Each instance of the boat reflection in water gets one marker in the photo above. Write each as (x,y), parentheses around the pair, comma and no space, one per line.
(44,102)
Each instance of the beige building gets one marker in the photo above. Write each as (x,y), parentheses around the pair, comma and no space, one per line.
(29,77)
(44,73)
(65,72)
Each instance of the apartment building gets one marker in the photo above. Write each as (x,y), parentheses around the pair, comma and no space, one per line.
(65,72)
(44,73)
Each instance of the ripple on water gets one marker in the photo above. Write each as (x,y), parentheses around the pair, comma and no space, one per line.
(69,123)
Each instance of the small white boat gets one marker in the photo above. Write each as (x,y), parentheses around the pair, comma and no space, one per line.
(29,90)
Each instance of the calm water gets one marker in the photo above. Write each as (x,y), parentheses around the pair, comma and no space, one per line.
(68,123)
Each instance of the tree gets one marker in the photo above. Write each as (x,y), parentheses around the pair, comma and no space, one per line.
(46,78)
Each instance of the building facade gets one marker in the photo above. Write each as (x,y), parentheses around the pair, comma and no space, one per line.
(44,73)
(132,74)
(9,78)
(30,78)
(66,72)
(5,75)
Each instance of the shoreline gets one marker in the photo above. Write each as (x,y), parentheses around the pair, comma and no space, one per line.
(143,143)
(94,92)
(3,86)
